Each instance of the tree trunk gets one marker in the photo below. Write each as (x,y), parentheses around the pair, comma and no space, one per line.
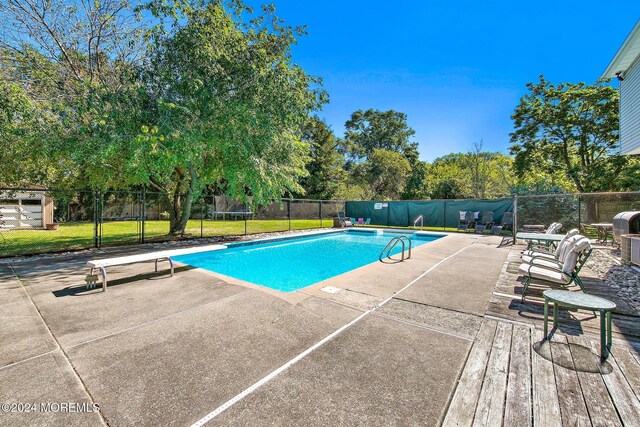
(179,204)
(591,205)
(180,223)
(179,208)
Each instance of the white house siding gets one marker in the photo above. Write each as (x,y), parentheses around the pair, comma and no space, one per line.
(630,110)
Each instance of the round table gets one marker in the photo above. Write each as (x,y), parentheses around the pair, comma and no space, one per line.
(580,300)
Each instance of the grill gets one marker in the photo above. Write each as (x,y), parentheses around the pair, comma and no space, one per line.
(626,223)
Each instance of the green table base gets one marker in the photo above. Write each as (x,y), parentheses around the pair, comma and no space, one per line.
(579,300)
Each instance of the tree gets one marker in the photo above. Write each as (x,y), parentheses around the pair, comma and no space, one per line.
(325,172)
(417,186)
(369,130)
(64,58)
(479,168)
(200,94)
(384,173)
(475,174)
(229,103)
(574,128)
(448,188)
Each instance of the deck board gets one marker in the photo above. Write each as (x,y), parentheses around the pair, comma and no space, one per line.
(490,407)
(463,404)
(624,399)
(546,409)
(518,403)
(572,406)
(630,367)
(601,409)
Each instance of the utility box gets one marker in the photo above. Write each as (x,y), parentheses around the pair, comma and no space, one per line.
(630,248)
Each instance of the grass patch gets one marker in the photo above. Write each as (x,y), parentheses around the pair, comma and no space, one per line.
(70,236)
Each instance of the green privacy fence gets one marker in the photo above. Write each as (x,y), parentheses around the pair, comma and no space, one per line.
(435,213)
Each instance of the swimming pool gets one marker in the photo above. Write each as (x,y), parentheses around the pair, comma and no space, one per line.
(294,263)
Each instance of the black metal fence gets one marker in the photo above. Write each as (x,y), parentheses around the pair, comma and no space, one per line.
(573,210)
(36,221)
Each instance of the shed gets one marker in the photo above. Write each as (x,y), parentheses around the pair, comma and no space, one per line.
(25,208)
(626,67)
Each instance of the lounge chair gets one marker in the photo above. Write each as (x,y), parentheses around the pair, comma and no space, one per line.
(359,222)
(559,274)
(344,221)
(557,259)
(485,223)
(554,228)
(507,221)
(543,252)
(466,221)
(367,221)
(505,225)
(547,244)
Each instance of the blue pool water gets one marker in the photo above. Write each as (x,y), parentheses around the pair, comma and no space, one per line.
(291,264)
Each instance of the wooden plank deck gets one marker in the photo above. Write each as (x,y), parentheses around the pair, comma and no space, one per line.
(515,378)
(506,303)
(512,378)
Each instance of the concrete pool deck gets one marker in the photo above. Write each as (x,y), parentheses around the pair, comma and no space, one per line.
(160,350)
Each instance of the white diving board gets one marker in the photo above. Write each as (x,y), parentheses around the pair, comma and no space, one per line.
(102,264)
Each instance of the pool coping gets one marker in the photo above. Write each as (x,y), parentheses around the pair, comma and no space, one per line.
(313,289)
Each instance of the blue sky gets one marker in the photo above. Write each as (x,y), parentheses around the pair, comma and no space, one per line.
(457,69)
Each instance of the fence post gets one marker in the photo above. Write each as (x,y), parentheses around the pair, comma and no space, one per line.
(144,212)
(289,212)
(388,213)
(515,217)
(579,212)
(444,216)
(96,195)
(320,207)
(202,207)
(246,209)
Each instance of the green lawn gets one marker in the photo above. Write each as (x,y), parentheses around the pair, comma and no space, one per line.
(80,235)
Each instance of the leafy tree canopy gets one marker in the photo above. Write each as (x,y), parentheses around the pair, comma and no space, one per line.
(475,174)
(572,128)
(448,188)
(384,174)
(418,186)
(369,130)
(324,167)
(200,94)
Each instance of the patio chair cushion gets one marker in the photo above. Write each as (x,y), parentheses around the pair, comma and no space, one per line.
(537,255)
(546,262)
(463,215)
(571,258)
(554,228)
(565,244)
(542,273)
(568,246)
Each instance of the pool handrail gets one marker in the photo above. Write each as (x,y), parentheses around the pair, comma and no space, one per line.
(392,244)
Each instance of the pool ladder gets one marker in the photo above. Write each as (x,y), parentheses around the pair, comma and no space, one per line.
(392,244)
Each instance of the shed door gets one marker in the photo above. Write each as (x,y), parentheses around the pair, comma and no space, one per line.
(20,213)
